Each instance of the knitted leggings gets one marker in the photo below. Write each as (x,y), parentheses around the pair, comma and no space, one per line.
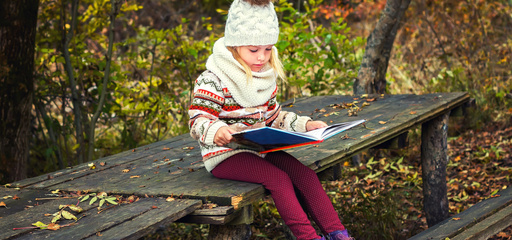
(280,172)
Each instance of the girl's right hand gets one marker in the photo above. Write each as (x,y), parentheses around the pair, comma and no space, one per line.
(223,136)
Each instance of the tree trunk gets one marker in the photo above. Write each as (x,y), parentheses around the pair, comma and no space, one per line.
(18,20)
(372,74)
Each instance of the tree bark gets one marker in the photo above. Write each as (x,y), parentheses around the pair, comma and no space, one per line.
(372,74)
(18,21)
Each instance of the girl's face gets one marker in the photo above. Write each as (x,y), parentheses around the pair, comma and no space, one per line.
(255,56)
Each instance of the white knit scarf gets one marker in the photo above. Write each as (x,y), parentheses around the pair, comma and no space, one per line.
(232,74)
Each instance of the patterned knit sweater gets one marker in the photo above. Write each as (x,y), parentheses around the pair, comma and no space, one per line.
(214,107)
(224,97)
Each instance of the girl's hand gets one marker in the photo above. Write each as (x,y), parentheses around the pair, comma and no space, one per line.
(223,136)
(312,125)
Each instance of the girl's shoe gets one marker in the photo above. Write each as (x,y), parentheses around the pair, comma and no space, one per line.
(339,235)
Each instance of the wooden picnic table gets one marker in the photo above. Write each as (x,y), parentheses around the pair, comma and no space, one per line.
(172,167)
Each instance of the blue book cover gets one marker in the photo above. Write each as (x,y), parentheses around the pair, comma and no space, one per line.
(269,139)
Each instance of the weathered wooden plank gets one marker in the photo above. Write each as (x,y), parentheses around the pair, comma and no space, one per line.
(130,221)
(68,174)
(166,213)
(32,215)
(479,212)
(399,115)
(488,227)
(112,163)
(217,215)
(138,173)
(21,199)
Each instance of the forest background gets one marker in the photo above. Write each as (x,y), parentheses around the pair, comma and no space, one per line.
(112,79)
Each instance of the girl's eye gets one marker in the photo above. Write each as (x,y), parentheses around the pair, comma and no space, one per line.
(252,50)
(268,49)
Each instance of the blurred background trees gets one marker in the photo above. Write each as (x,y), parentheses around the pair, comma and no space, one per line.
(89,102)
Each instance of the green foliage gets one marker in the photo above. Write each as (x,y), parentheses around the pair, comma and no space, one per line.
(318,59)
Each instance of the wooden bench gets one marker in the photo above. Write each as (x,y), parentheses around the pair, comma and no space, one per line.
(173,168)
(480,221)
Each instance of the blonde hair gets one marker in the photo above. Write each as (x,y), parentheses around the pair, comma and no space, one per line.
(274,61)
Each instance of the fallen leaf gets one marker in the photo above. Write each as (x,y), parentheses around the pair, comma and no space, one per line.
(56,191)
(412,112)
(166,148)
(39,224)
(53,226)
(170,199)
(126,170)
(370,99)
(68,215)
(382,122)
(103,164)
(2,204)
(154,207)
(131,199)
(135,176)
(456,219)
(133,150)
(92,166)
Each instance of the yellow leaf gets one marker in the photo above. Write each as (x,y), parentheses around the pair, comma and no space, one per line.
(75,208)
(92,166)
(2,204)
(126,170)
(412,112)
(169,199)
(56,191)
(39,224)
(135,176)
(382,122)
(68,215)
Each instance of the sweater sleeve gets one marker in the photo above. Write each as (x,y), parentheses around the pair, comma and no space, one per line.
(207,102)
(289,121)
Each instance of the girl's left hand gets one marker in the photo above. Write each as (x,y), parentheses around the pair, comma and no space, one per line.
(312,125)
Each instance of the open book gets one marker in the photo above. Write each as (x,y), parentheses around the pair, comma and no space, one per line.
(269,139)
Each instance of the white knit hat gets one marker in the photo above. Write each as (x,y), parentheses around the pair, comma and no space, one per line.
(251,24)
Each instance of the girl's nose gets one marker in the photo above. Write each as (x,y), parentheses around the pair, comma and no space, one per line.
(261,57)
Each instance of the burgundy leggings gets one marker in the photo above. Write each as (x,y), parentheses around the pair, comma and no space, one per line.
(282,174)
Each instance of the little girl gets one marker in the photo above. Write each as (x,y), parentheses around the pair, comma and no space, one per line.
(238,92)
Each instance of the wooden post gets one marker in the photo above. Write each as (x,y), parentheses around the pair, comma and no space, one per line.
(238,229)
(434,158)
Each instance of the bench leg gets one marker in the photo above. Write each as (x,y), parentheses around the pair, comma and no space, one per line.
(434,158)
(238,229)
(228,232)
